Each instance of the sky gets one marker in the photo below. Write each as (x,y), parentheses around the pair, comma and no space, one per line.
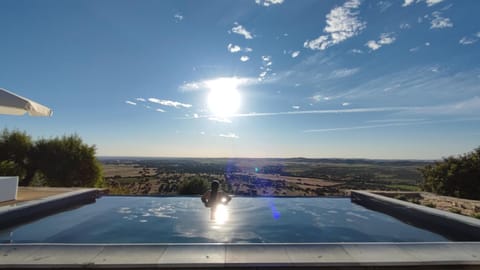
(252,78)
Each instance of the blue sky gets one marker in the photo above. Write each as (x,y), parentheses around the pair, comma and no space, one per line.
(347,79)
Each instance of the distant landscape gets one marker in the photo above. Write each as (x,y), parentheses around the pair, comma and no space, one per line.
(261,177)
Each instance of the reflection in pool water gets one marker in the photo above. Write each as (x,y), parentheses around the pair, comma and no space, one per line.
(221,214)
(244,220)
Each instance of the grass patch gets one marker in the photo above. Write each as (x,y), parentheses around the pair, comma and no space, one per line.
(476,215)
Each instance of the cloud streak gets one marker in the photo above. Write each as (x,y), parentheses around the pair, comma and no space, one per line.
(178,17)
(229,135)
(465,107)
(344,72)
(208,83)
(130,102)
(412,123)
(169,103)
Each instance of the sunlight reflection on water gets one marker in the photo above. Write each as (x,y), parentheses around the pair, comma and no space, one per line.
(221,214)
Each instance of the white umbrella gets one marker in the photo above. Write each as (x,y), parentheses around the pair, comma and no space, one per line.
(11,103)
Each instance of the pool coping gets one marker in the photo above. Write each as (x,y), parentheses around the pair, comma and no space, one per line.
(453,226)
(242,256)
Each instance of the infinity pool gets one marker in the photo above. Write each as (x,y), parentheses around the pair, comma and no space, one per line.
(245,220)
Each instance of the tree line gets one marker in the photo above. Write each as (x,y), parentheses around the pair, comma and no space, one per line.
(454,176)
(57,162)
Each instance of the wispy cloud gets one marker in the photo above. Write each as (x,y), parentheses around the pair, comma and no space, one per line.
(356,127)
(469,107)
(209,83)
(399,124)
(141,99)
(429,83)
(229,135)
(178,17)
(130,102)
(335,111)
(268,3)
(344,72)
(159,110)
(296,107)
(342,24)
(439,22)
(240,30)
(295,54)
(384,5)
(169,103)
(467,40)
(218,119)
(471,39)
(385,39)
(404,26)
(397,120)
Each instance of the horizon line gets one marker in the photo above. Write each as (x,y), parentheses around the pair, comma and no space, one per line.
(311,158)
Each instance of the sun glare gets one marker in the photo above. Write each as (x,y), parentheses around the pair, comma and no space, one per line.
(223,98)
(221,214)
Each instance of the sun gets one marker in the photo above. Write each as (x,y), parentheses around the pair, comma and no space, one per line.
(223,99)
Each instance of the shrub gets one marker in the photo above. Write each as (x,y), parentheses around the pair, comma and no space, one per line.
(193,185)
(454,176)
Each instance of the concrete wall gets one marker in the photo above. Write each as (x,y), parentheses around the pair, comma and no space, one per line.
(8,188)
(453,226)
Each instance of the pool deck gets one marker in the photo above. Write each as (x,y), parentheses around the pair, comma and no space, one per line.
(33,203)
(465,255)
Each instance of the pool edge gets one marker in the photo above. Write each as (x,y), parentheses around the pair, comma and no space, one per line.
(31,210)
(241,256)
(453,226)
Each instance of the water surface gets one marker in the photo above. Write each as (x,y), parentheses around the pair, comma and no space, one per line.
(244,220)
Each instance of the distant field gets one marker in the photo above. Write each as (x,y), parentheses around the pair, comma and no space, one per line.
(264,177)
(126,170)
(302,181)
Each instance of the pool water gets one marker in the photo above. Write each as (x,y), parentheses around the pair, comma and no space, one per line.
(245,220)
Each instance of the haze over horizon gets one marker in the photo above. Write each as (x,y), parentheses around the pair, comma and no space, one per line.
(259,78)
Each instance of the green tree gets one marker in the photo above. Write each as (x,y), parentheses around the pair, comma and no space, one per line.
(15,147)
(454,176)
(193,185)
(66,162)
